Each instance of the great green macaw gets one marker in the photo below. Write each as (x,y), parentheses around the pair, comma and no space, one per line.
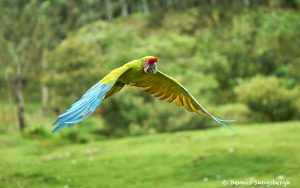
(141,73)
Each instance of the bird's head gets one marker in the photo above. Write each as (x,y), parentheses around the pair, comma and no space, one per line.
(149,64)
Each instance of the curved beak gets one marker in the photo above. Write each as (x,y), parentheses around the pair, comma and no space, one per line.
(152,68)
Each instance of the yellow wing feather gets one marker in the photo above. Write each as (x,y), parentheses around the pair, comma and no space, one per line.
(116,88)
(167,88)
(113,78)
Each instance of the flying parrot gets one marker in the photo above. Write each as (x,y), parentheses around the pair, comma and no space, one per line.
(141,73)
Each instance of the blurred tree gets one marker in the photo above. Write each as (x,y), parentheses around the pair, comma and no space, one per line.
(109,10)
(22,43)
(124,8)
(145,6)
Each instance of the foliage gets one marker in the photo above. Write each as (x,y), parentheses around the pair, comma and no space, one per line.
(210,47)
(207,57)
(269,97)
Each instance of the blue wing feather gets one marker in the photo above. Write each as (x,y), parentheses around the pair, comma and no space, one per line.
(83,107)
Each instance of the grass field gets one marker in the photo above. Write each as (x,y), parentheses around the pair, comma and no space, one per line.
(183,159)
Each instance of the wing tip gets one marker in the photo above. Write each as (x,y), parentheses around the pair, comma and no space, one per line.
(58,128)
(226,120)
(222,122)
(56,122)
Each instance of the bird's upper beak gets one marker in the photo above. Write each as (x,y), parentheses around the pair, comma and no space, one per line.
(152,68)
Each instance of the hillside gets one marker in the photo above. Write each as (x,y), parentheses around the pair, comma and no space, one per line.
(184,159)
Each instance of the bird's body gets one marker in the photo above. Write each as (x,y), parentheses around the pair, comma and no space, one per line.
(141,73)
(127,74)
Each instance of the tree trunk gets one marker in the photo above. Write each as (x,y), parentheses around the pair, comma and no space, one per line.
(20,103)
(246,2)
(169,4)
(213,2)
(109,11)
(44,90)
(45,99)
(145,6)
(124,8)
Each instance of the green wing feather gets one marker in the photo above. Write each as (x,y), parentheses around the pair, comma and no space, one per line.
(116,88)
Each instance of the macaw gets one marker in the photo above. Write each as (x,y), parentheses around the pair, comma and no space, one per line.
(141,73)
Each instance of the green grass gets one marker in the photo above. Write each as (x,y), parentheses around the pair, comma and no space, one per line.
(183,159)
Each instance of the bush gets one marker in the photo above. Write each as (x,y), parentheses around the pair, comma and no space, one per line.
(268,97)
(37,132)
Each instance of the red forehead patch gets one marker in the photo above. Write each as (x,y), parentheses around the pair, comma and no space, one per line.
(152,60)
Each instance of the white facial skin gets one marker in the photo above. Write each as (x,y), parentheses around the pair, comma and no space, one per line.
(146,66)
(150,68)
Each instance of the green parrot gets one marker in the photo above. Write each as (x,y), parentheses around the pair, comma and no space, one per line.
(141,73)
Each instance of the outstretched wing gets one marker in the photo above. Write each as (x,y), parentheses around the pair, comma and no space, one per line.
(167,88)
(87,104)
